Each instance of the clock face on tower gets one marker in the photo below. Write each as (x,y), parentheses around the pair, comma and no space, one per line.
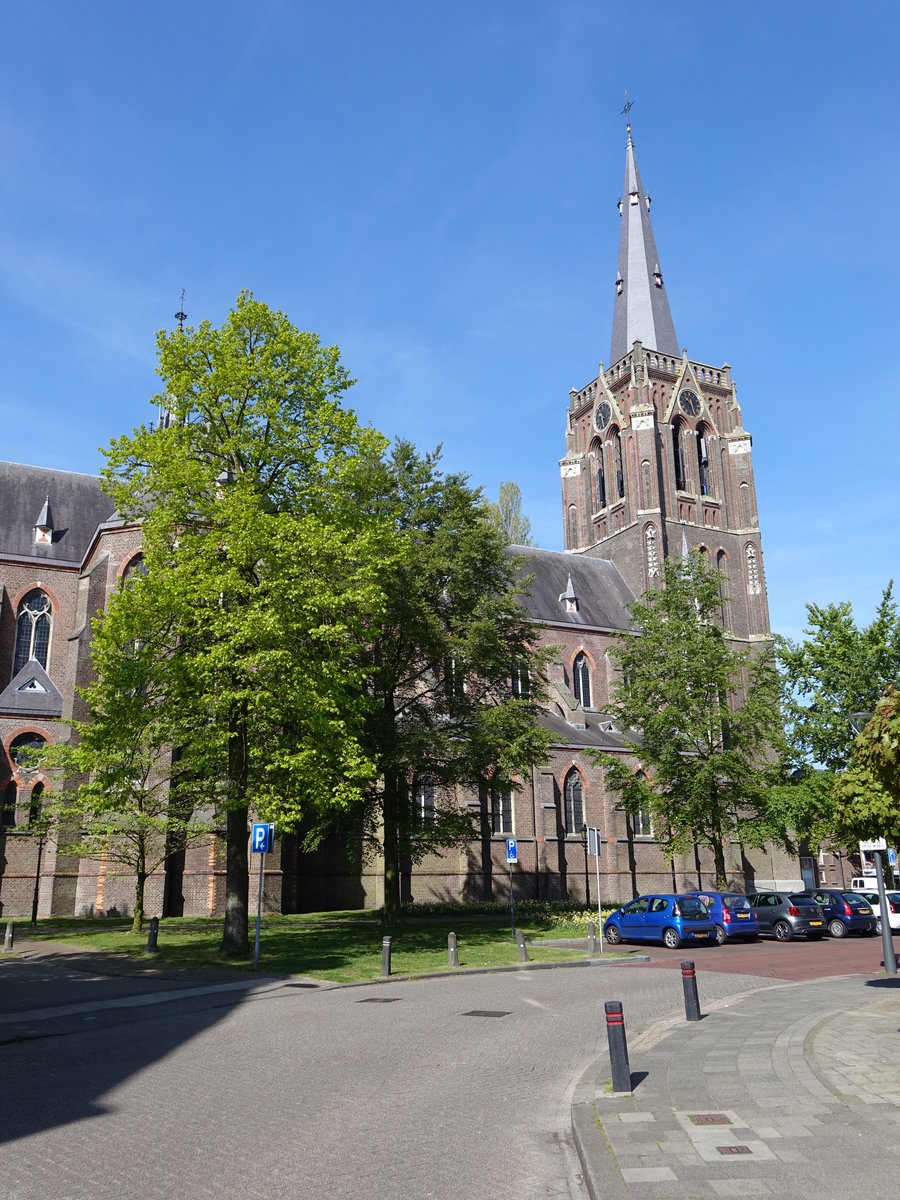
(689,403)
(603,415)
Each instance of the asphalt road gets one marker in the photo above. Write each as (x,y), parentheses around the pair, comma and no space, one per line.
(440,1088)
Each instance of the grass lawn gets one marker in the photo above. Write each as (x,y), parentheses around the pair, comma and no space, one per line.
(337,946)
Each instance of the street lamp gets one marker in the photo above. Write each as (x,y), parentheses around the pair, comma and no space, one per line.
(587,882)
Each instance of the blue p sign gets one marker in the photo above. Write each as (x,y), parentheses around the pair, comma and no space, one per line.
(262,837)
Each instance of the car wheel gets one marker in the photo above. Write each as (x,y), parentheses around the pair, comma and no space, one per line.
(720,935)
(837,928)
(671,939)
(613,935)
(783,931)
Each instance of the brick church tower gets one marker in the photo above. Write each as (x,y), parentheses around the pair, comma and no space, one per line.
(657,458)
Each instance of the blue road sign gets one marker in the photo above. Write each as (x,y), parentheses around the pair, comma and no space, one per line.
(512,855)
(892,857)
(262,837)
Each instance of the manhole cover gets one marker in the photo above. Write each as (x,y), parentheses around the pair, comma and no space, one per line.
(379,1000)
(485,1012)
(708,1119)
(734,1149)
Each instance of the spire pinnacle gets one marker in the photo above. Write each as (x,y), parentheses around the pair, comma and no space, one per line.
(641,309)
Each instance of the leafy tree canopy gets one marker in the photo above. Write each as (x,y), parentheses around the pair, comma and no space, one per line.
(867,794)
(705,720)
(264,549)
(507,516)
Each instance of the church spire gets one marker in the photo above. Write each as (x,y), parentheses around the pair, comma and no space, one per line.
(641,308)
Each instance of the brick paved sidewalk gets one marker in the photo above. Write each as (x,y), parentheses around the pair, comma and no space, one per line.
(792,1091)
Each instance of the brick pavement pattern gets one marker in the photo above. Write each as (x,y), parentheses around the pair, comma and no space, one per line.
(791,1092)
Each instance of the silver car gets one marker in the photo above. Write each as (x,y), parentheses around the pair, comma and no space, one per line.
(785,914)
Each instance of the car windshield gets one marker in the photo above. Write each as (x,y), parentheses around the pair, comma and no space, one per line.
(692,907)
(853,899)
(736,903)
(803,901)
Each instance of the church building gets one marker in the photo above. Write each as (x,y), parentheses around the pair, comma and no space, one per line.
(657,464)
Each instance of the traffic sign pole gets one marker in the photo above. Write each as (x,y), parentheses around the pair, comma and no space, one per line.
(512,856)
(262,864)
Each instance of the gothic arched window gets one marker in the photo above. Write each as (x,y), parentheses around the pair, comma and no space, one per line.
(753,584)
(33,624)
(501,808)
(423,799)
(135,566)
(572,526)
(652,548)
(703,460)
(573,795)
(617,463)
(599,482)
(34,803)
(581,680)
(678,451)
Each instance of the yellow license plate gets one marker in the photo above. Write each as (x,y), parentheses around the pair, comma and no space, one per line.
(815,922)
(696,935)
(866,912)
(743,916)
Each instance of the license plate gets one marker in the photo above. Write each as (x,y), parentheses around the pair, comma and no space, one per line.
(743,916)
(703,934)
(815,922)
(866,912)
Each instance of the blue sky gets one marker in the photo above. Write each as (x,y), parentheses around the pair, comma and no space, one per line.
(433,187)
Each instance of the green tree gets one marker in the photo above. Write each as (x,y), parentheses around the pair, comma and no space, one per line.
(705,719)
(264,554)
(837,670)
(867,794)
(125,795)
(441,660)
(507,516)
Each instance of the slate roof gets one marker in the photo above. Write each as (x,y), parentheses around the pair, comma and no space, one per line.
(641,309)
(76,502)
(599,588)
(593,735)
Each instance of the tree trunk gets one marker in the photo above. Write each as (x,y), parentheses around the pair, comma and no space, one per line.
(140,881)
(235,942)
(391,817)
(721,876)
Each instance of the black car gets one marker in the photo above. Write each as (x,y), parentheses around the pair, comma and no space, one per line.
(845,912)
(785,913)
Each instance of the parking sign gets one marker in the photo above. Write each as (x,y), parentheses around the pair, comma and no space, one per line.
(262,837)
(512,855)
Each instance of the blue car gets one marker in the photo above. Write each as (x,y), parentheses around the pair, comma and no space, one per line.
(663,917)
(733,914)
(844,912)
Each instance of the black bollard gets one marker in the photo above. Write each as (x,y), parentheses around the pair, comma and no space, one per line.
(618,1047)
(8,936)
(386,956)
(691,1000)
(592,939)
(520,943)
(452,952)
(153,935)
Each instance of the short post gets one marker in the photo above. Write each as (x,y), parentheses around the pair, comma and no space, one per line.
(153,935)
(452,952)
(520,944)
(386,956)
(8,936)
(691,1000)
(618,1047)
(592,938)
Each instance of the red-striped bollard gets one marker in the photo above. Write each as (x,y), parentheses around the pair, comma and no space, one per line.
(691,1000)
(618,1047)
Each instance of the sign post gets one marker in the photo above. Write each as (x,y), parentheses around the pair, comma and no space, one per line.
(876,846)
(512,856)
(262,841)
(595,847)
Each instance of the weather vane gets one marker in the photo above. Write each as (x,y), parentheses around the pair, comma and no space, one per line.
(181,315)
(627,109)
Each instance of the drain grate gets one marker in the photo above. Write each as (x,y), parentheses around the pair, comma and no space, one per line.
(734,1149)
(379,1000)
(708,1119)
(485,1012)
